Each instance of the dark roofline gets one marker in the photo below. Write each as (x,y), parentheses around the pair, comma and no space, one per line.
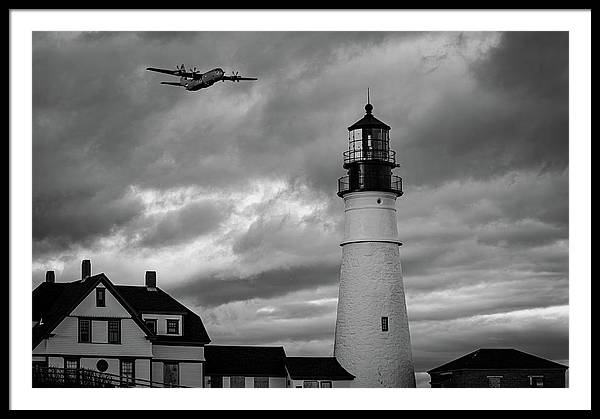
(187,339)
(157,340)
(455,365)
(335,373)
(373,123)
(498,369)
(91,282)
(265,361)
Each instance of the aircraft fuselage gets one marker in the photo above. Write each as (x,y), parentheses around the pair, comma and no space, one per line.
(206,80)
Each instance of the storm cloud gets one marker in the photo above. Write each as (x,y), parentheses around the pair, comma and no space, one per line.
(229,193)
(212,291)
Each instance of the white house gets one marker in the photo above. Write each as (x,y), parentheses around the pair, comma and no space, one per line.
(138,334)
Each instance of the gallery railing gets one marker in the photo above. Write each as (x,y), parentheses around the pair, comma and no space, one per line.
(351,156)
(391,183)
(81,377)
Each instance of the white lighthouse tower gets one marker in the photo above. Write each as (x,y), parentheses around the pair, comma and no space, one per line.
(372,339)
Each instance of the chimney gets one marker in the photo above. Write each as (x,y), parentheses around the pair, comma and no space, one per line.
(86,269)
(151,280)
(50,277)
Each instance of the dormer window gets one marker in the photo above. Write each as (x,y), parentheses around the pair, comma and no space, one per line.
(172,326)
(100,297)
(151,324)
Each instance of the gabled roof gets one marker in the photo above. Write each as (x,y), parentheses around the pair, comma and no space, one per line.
(484,359)
(251,361)
(145,301)
(316,368)
(52,302)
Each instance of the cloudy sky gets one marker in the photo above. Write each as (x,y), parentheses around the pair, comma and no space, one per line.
(229,193)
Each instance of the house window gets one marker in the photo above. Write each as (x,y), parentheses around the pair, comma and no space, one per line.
(384,324)
(172,326)
(494,381)
(100,297)
(171,374)
(151,324)
(114,331)
(71,371)
(85,330)
(237,381)
(311,384)
(261,382)
(37,365)
(536,381)
(325,384)
(71,363)
(127,372)
(102,365)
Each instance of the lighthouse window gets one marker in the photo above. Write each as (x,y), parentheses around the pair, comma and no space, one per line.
(356,139)
(384,324)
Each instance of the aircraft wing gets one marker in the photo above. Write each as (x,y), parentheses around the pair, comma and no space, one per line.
(236,78)
(171,72)
(171,83)
(162,70)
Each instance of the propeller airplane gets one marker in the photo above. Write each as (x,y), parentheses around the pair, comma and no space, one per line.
(193,80)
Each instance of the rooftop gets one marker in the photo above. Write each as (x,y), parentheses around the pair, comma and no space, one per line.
(484,359)
(317,368)
(250,361)
(52,301)
(369,121)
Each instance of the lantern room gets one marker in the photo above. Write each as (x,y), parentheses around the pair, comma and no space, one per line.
(369,160)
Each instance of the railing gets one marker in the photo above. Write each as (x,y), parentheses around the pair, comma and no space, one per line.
(391,183)
(351,156)
(81,377)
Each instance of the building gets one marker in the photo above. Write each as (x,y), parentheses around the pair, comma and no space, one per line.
(317,372)
(499,368)
(269,367)
(125,335)
(245,366)
(92,333)
(372,339)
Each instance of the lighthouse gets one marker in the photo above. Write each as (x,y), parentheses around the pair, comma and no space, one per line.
(372,338)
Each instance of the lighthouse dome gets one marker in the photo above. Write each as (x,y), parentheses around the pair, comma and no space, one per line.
(369,121)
